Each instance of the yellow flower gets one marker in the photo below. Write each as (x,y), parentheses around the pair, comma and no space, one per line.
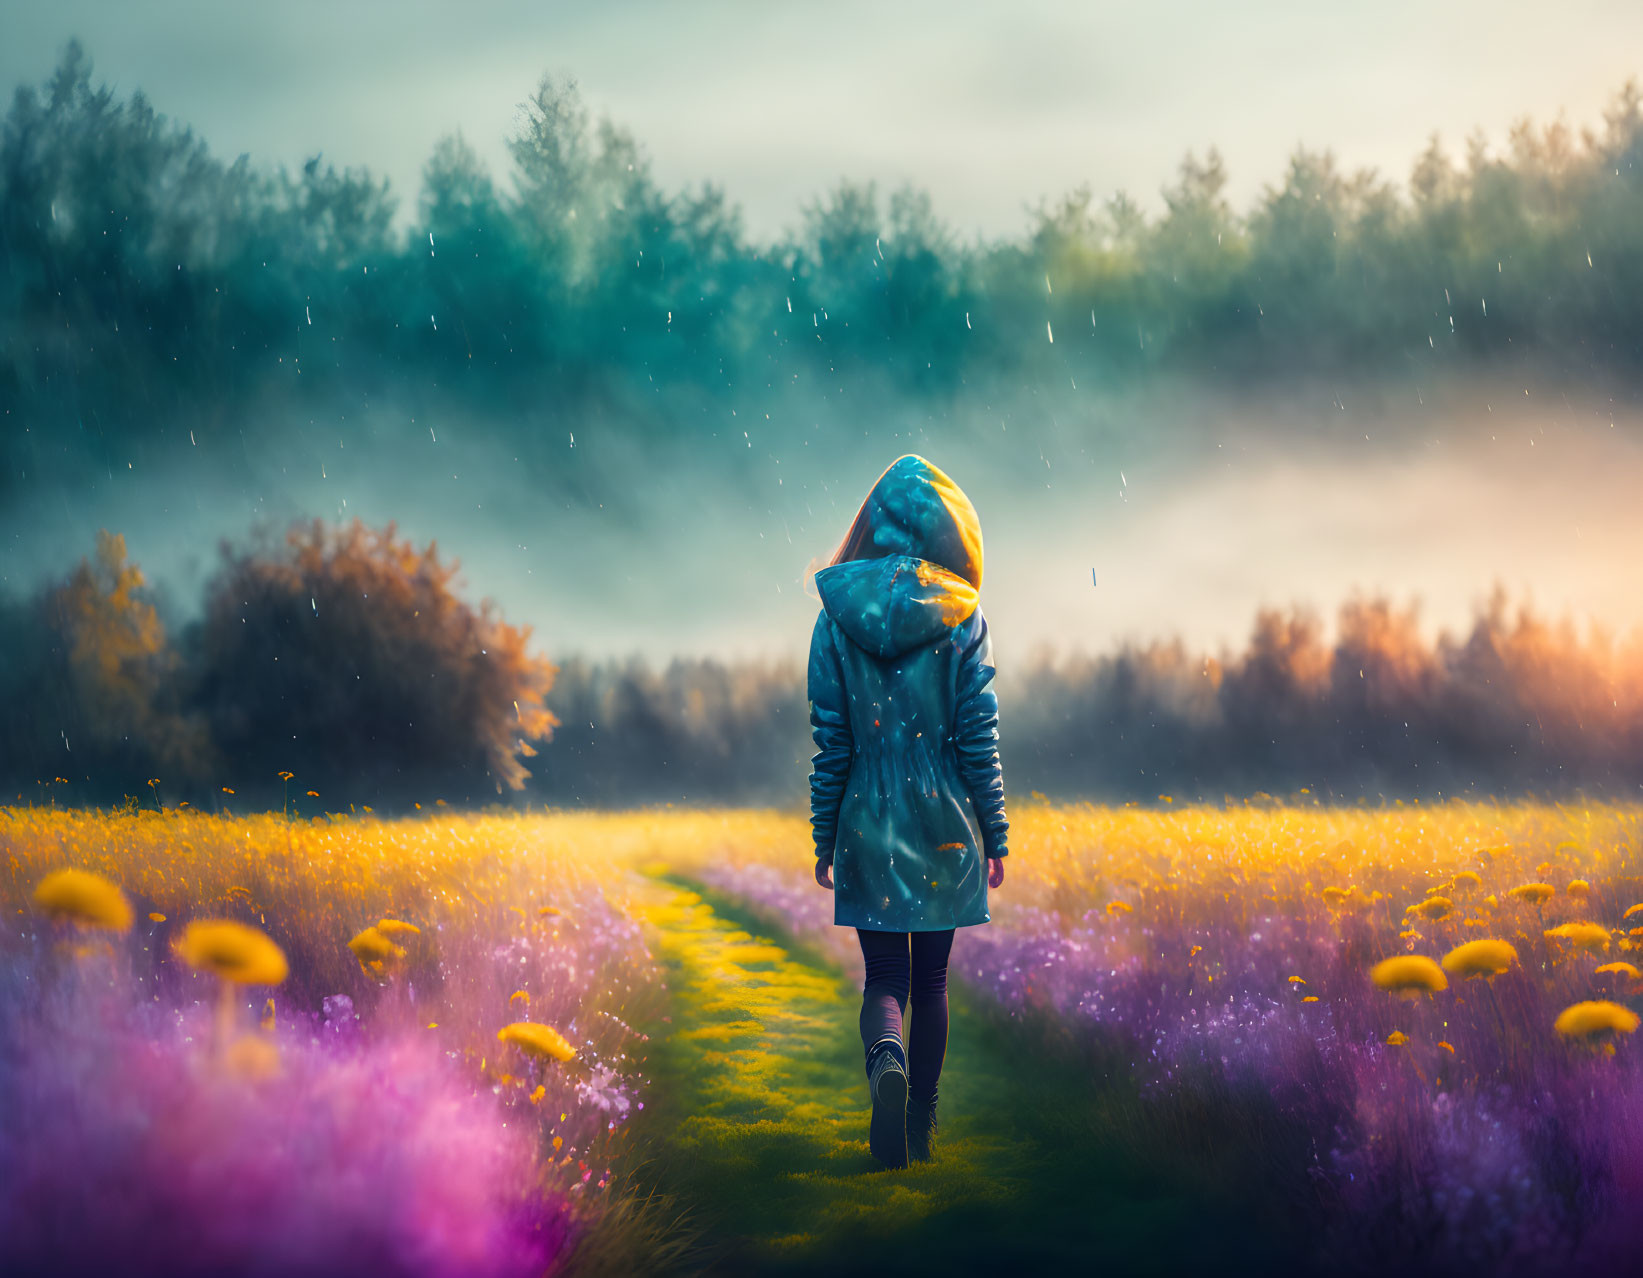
(1491,900)
(371,946)
(519,996)
(1480,958)
(1310,998)
(1409,973)
(233,951)
(1584,1020)
(1448,1047)
(1434,907)
(156,918)
(1336,895)
(74,896)
(1636,909)
(1119,907)
(1409,935)
(1579,887)
(548,911)
(1296,980)
(538,1094)
(1533,893)
(1621,969)
(1466,878)
(1397,1038)
(537,1040)
(1582,936)
(394,927)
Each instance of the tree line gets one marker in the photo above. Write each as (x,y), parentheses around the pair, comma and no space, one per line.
(347,658)
(149,288)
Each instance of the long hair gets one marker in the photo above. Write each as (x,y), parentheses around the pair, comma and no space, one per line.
(857,542)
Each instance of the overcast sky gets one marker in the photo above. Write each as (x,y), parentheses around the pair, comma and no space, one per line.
(988,107)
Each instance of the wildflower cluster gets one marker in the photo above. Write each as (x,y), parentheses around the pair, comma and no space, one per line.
(1433,1003)
(317,1008)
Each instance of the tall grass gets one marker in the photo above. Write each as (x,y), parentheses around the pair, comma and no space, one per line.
(361,1114)
(1222,957)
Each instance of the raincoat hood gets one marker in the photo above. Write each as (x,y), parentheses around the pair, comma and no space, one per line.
(910,566)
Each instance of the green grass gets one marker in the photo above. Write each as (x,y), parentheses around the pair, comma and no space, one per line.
(757,1130)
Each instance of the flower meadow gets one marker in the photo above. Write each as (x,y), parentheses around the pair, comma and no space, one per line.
(1402,1035)
(1399,1037)
(329,1046)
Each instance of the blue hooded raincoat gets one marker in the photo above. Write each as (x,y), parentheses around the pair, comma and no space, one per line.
(906,791)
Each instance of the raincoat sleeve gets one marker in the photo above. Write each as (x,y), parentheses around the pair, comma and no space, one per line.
(830,726)
(975,737)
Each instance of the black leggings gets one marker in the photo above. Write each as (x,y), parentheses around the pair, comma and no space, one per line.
(902,965)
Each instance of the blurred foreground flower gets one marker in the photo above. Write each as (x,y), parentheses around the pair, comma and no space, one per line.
(306,1158)
(537,1040)
(88,900)
(1585,1020)
(1582,936)
(1487,957)
(233,951)
(374,950)
(1409,973)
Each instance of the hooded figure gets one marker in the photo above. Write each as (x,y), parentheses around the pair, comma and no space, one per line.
(906,791)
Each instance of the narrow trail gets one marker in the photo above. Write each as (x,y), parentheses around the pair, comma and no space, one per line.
(758,1129)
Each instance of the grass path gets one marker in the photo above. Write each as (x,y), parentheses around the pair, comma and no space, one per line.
(758,1129)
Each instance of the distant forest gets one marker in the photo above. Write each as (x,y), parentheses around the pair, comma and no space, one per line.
(149,289)
(340,667)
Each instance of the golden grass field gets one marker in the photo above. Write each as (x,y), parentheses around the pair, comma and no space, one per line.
(1244,941)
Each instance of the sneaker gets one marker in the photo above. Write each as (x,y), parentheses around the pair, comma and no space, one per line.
(921,1129)
(887,1133)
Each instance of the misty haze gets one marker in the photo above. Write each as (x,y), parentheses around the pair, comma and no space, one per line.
(637,428)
